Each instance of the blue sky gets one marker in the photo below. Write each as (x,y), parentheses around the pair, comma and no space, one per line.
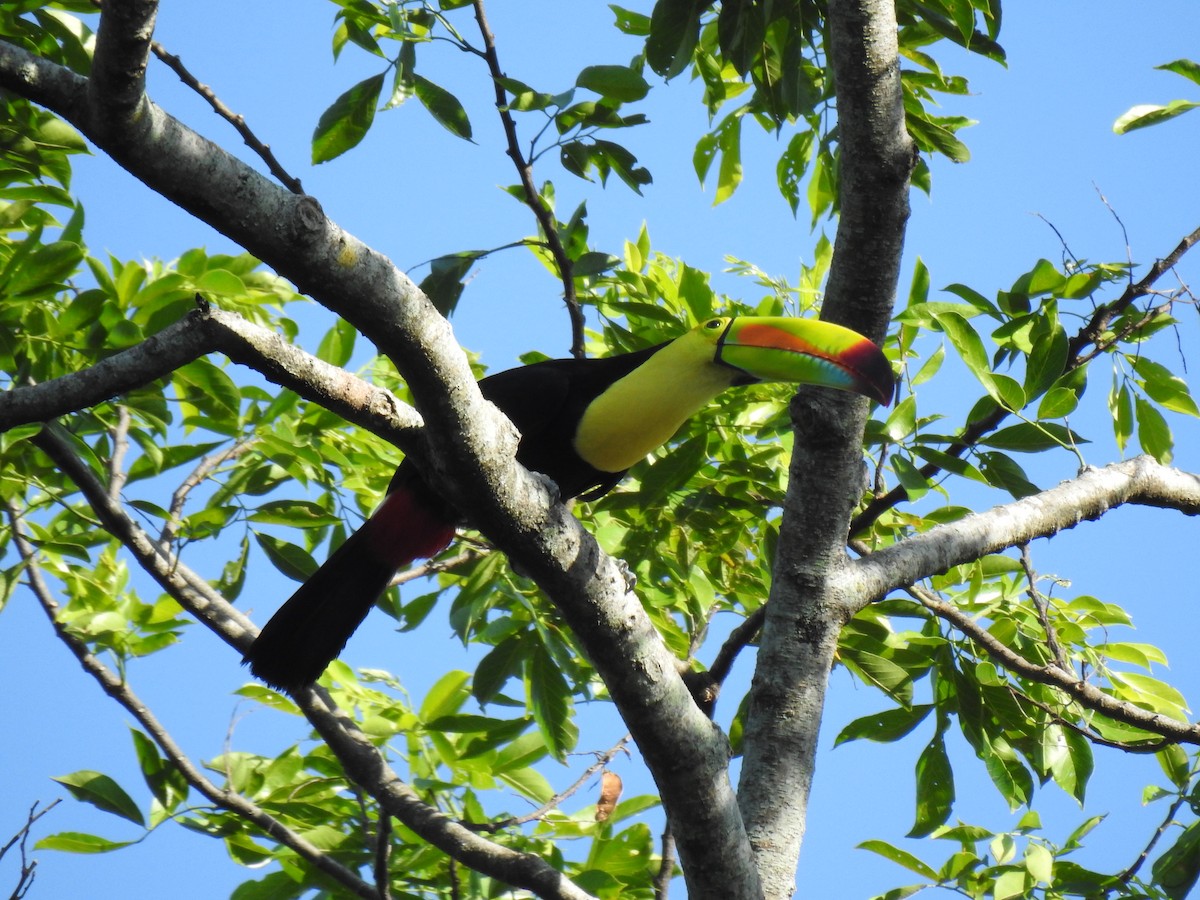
(1043,145)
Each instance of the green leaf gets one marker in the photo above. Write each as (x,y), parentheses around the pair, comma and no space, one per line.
(729,174)
(1175,764)
(296,513)
(1147,114)
(501,663)
(935,788)
(930,367)
(167,783)
(1029,438)
(902,421)
(1177,869)
(345,123)
(886,726)
(78,842)
(903,857)
(1002,471)
(793,163)
(674,31)
(443,106)
(294,562)
(1185,67)
(337,346)
(966,341)
(1164,387)
(444,284)
(446,696)
(1046,362)
(619,83)
(102,792)
(1072,769)
(1153,432)
(549,698)
(1057,403)
(1120,405)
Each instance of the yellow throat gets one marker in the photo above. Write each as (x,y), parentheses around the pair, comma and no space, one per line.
(641,411)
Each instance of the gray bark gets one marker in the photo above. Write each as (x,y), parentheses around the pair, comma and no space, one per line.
(807,609)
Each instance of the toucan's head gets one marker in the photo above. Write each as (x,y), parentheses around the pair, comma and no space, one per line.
(806,351)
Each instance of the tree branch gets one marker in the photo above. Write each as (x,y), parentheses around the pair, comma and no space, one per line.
(116,88)
(533,199)
(1140,481)
(1052,675)
(208,330)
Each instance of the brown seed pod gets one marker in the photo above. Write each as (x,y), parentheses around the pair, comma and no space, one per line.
(610,793)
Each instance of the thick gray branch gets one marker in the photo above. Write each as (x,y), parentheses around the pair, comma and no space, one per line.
(117,86)
(469,441)
(1140,481)
(805,612)
(208,330)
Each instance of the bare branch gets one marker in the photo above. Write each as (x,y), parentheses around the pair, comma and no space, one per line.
(195,478)
(533,199)
(666,867)
(237,120)
(1140,481)
(28,867)
(208,330)
(1093,331)
(1127,876)
(805,612)
(1041,607)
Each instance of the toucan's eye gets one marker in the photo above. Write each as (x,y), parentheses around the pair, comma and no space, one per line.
(713,324)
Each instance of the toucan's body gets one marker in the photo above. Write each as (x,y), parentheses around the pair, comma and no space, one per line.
(583,423)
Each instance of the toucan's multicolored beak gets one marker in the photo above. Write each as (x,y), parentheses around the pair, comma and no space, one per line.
(776,348)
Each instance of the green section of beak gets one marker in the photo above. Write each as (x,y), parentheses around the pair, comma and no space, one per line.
(770,348)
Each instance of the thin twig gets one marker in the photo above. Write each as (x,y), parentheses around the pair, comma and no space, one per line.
(666,865)
(119,434)
(436,567)
(1087,695)
(1126,876)
(1087,733)
(602,760)
(533,199)
(203,469)
(237,120)
(383,855)
(28,867)
(1041,607)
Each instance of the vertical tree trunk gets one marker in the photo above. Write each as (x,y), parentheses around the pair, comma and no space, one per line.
(806,613)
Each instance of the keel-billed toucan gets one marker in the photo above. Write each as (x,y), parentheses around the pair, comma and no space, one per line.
(583,423)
